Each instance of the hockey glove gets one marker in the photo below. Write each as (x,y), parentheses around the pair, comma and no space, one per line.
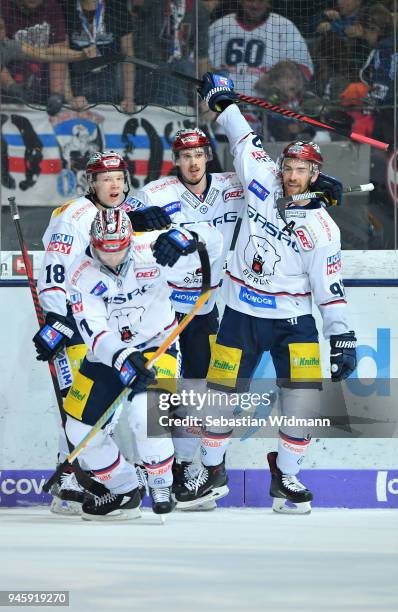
(331,189)
(149,219)
(217,91)
(52,337)
(169,246)
(130,367)
(343,358)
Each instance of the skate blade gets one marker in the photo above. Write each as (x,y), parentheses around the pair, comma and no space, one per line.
(213,495)
(279,505)
(119,515)
(64,507)
(202,507)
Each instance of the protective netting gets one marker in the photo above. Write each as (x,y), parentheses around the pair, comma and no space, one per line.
(307,54)
(332,60)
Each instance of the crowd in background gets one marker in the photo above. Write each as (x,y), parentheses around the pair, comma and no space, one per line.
(330,56)
(335,60)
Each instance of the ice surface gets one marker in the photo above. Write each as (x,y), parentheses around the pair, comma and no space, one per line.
(230,559)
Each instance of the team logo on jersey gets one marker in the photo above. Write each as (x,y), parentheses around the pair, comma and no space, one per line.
(147,273)
(76,300)
(172,207)
(261,156)
(99,289)
(256,299)
(261,256)
(233,194)
(304,238)
(259,190)
(127,319)
(333,263)
(60,243)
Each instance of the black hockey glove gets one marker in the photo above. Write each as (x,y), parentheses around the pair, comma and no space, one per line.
(52,337)
(169,246)
(331,188)
(149,219)
(130,367)
(343,358)
(217,91)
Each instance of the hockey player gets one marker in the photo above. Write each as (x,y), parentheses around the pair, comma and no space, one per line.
(67,237)
(191,196)
(274,275)
(120,300)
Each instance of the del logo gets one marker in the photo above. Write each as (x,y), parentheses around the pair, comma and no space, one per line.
(50,335)
(259,190)
(147,273)
(333,264)
(61,243)
(76,302)
(304,239)
(99,289)
(172,207)
(233,194)
(18,265)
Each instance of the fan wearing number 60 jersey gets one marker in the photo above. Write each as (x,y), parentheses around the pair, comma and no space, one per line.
(248,43)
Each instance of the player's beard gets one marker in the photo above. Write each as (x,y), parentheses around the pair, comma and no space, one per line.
(186,181)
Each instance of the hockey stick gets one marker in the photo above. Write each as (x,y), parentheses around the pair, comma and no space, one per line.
(282,203)
(82,478)
(205,294)
(115,58)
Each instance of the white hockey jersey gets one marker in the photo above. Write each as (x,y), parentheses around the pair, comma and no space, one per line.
(131,307)
(246,53)
(274,274)
(66,237)
(220,205)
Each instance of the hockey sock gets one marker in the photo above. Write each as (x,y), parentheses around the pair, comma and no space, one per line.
(213,447)
(291,453)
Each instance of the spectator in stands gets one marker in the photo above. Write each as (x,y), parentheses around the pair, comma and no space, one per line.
(168,34)
(251,41)
(379,73)
(285,86)
(107,26)
(39,24)
(342,20)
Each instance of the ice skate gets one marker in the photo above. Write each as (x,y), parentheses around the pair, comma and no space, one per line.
(182,472)
(162,500)
(142,478)
(287,489)
(208,485)
(68,495)
(112,506)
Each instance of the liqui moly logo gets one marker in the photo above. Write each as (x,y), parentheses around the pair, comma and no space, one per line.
(60,243)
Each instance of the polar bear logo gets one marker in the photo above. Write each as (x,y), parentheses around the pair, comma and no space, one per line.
(261,256)
(126,319)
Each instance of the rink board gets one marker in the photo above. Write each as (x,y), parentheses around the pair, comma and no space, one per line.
(248,488)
